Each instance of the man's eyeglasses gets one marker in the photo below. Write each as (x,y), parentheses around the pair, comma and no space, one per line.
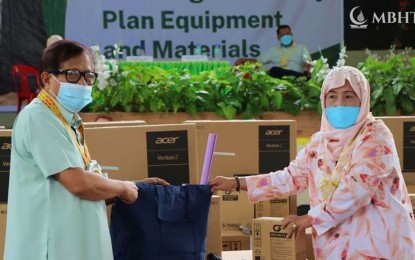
(73,75)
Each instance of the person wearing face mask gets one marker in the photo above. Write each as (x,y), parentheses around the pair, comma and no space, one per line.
(288,58)
(359,203)
(56,202)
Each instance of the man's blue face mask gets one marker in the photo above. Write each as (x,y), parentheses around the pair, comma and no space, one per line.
(341,117)
(286,40)
(73,96)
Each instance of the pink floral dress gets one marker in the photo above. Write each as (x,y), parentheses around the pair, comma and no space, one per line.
(369,215)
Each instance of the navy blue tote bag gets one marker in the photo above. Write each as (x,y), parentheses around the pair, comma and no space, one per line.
(165,223)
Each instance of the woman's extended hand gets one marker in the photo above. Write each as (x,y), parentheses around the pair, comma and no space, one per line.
(222,183)
(300,223)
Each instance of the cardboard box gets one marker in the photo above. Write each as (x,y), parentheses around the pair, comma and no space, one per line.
(143,151)
(247,146)
(5,152)
(411,188)
(3,216)
(113,123)
(268,242)
(235,240)
(214,231)
(309,244)
(403,130)
(280,207)
(236,210)
(164,151)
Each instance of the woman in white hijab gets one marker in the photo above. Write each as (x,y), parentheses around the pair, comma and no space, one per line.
(359,203)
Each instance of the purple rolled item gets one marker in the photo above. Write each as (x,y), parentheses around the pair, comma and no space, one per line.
(207,164)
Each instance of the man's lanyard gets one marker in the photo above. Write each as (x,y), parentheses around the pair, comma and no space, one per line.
(284,58)
(50,103)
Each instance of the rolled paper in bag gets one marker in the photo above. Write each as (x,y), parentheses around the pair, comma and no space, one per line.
(207,164)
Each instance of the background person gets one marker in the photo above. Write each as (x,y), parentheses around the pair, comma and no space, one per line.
(56,208)
(360,207)
(287,59)
(53,38)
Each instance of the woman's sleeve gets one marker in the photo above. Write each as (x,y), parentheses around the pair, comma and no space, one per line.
(372,161)
(289,181)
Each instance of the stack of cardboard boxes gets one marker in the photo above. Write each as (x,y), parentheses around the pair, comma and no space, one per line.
(247,147)
(176,153)
(270,241)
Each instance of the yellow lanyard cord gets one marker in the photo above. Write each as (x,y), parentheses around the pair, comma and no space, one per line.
(285,58)
(329,185)
(50,103)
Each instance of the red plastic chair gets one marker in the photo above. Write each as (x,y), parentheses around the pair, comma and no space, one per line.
(22,76)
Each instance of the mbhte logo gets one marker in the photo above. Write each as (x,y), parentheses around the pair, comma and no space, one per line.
(358,19)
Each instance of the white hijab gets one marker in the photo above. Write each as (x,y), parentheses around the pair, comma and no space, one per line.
(338,138)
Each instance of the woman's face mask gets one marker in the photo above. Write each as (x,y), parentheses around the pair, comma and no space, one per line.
(341,117)
(342,106)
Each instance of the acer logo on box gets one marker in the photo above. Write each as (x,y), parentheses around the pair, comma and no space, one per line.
(6,146)
(274,132)
(166,140)
(409,128)
(277,132)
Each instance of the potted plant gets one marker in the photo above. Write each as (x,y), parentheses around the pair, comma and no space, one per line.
(245,91)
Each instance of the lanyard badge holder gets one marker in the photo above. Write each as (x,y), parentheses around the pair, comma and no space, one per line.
(94,167)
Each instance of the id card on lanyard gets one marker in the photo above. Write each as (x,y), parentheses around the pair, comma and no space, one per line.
(94,167)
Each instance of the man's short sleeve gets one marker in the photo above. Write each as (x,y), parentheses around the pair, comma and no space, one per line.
(48,141)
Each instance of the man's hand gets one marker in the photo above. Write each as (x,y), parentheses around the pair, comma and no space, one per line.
(131,193)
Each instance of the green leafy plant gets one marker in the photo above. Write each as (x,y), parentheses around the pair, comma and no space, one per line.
(392,82)
(243,91)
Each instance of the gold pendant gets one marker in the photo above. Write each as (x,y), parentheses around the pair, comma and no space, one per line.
(284,62)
